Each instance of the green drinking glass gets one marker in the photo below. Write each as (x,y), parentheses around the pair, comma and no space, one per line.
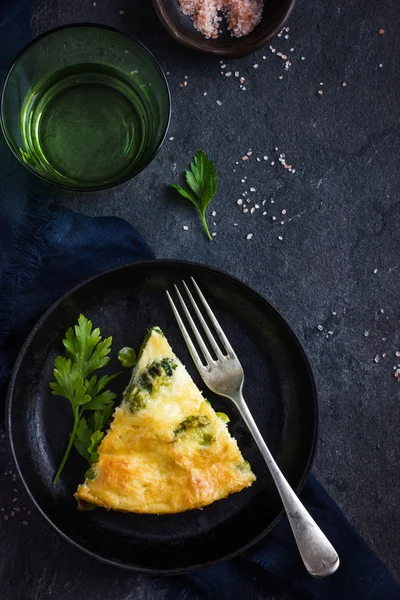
(85,107)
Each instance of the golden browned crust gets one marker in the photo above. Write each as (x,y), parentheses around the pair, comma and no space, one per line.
(145,467)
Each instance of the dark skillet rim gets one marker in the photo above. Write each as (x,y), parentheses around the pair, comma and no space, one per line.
(38,39)
(230,52)
(25,348)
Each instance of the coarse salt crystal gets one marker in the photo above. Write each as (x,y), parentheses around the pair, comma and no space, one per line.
(236,73)
(255,66)
(320,327)
(213,213)
(280,238)
(228,74)
(366,333)
(252,189)
(249,236)
(214,234)
(219,102)
(240,202)
(185,227)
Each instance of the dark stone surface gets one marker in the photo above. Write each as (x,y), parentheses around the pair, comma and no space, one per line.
(336,267)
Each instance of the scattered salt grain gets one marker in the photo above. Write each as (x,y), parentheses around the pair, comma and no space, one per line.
(320,92)
(228,74)
(397,353)
(381,31)
(214,234)
(205,94)
(264,213)
(240,202)
(252,189)
(280,238)
(265,157)
(171,138)
(121,12)
(252,210)
(213,213)
(245,158)
(249,236)
(236,73)
(185,227)
(380,65)
(255,66)
(344,84)
(366,333)
(320,327)
(284,211)
(219,102)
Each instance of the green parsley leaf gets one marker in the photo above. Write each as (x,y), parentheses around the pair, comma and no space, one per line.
(202,181)
(84,346)
(85,352)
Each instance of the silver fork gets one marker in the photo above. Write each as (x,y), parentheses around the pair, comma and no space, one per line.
(224,376)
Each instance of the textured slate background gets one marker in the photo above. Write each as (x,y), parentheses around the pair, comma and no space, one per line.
(334,275)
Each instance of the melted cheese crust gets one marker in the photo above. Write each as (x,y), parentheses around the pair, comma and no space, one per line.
(145,467)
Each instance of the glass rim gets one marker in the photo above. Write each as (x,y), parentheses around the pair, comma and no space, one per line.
(94,188)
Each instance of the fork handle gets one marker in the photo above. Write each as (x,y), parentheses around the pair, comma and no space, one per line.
(319,556)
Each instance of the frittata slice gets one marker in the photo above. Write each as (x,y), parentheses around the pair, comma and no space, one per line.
(166,451)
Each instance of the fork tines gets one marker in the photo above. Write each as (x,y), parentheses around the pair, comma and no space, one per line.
(193,351)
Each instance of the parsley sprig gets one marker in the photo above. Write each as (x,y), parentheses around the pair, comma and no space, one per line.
(202,181)
(85,352)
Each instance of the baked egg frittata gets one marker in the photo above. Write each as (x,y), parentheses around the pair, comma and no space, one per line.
(166,451)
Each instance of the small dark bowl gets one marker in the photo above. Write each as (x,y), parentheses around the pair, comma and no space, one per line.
(180,27)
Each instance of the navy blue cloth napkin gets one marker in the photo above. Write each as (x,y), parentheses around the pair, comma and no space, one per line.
(44,251)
